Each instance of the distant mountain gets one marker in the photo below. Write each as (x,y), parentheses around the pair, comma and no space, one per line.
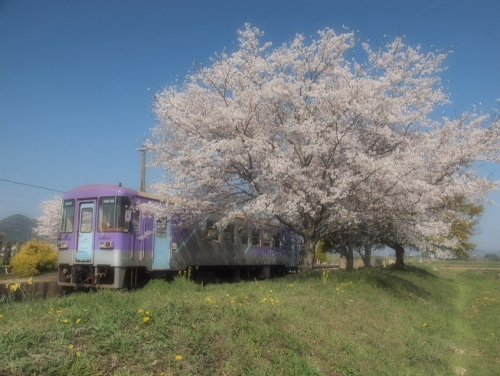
(17,228)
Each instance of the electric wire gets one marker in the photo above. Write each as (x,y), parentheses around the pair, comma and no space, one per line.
(30,185)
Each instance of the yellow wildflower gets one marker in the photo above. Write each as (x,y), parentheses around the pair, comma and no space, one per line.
(78,320)
(30,281)
(178,357)
(78,353)
(65,321)
(13,288)
(140,310)
(425,324)
(71,346)
(145,319)
(147,312)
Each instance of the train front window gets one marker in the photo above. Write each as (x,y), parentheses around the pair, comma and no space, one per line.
(86,220)
(68,216)
(112,214)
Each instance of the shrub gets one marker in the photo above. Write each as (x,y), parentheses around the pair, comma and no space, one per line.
(320,254)
(36,257)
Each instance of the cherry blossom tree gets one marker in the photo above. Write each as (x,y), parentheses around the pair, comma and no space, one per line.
(441,170)
(49,223)
(319,140)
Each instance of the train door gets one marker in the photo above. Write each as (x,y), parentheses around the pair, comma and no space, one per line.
(138,244)
(162,245)
(85,246)
(294,254)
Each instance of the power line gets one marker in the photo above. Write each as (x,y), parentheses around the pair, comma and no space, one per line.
(34,186)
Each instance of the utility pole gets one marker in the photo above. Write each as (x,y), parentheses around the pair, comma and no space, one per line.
(143,168)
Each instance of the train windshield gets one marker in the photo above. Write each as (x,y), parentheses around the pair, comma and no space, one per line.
(68,216)
(112,214)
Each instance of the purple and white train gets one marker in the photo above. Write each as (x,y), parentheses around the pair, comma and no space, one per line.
(104,243)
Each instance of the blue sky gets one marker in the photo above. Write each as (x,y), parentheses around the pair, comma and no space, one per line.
(77,78)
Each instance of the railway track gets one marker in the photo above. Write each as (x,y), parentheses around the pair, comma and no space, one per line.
(16,288)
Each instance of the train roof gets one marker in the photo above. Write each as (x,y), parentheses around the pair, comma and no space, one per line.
(100,190)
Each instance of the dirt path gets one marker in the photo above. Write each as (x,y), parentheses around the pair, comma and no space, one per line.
(471,293)
(42,287)
(16,278)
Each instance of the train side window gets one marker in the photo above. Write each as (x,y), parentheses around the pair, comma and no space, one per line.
(161,228)
(137,221)
(212,233)
(255,237)
(243,233)
(229,233)
(277,241)
(266,239)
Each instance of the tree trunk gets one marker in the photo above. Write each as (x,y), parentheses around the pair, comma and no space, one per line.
(19,246)
(349,257)
(400,256)
(367,257)
(6,255)
(308,254)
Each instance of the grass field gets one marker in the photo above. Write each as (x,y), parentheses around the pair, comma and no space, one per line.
(432,320)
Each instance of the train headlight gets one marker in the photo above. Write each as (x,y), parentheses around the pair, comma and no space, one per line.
(62,245)
(106,245)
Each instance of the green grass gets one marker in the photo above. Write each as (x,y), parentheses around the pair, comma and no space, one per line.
(367,322)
